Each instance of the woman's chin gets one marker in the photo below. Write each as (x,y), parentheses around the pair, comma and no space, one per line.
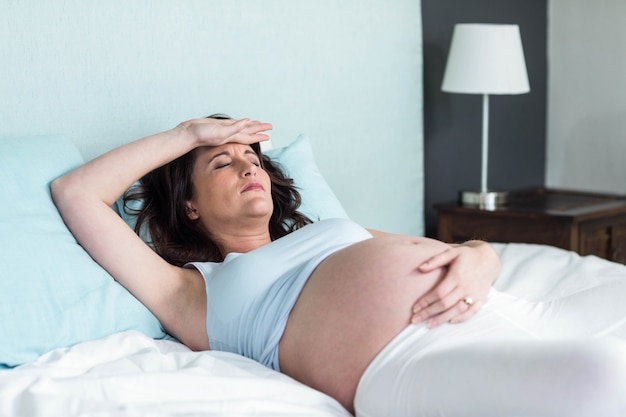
(260,210)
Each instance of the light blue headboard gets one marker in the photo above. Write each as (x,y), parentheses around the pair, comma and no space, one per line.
(347,73)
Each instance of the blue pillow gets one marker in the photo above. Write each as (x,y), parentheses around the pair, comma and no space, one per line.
(52,293)
(318,199)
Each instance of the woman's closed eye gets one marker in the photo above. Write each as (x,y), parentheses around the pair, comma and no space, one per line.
(224,160)
(225,164)
(220,162)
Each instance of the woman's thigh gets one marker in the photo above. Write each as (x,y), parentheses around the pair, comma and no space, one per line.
(355,302)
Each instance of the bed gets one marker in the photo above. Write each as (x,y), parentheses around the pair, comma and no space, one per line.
(74,342)
(79,344)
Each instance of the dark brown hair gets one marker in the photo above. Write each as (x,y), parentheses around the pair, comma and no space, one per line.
(178,239)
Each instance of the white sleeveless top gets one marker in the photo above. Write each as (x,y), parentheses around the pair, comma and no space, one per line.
(250,296)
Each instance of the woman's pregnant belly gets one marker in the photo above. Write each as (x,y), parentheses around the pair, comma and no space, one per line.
(355,302)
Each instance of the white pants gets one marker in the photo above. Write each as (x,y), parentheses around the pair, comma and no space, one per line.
(513,359)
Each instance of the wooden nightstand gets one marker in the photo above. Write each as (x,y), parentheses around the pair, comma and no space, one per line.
(588,223)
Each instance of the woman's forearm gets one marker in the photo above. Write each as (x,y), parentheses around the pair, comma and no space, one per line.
(110,175)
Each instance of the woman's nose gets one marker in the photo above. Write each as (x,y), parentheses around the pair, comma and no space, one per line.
(250,169)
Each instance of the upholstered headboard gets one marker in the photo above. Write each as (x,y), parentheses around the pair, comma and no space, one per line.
(345,73)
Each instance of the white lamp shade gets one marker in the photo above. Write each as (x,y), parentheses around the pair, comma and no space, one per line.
(486,59)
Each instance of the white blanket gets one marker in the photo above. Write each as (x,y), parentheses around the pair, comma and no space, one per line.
(543,273)
(131,375)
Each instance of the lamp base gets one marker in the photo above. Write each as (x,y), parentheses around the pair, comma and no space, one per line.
(484,200)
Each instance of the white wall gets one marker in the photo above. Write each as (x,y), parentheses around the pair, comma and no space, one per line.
(345,72)
(587,95)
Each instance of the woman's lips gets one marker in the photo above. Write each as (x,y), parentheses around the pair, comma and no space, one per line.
(252,186)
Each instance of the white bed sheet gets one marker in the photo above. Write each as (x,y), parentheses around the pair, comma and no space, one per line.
(543,273)
(130,374)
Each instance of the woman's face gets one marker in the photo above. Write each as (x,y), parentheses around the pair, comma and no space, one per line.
(230,188)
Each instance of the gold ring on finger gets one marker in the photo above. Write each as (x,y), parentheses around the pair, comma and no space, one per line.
(468,301)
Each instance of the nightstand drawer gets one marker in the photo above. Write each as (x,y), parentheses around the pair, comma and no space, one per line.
(457,227)
(605,238)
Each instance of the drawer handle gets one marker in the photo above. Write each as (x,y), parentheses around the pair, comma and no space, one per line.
(617,255)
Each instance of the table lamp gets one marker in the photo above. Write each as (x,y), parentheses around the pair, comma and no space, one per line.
(485,59)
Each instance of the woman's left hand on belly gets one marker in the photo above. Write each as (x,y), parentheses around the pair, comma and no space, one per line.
(472,268)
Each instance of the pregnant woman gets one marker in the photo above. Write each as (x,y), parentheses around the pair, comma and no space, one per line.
(233,266)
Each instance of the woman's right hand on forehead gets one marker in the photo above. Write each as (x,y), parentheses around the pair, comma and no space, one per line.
(215,132)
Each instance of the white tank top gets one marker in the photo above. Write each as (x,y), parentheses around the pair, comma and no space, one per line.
(250,296)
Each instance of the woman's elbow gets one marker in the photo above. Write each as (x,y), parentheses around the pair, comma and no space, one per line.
(64,192)
(58,190)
